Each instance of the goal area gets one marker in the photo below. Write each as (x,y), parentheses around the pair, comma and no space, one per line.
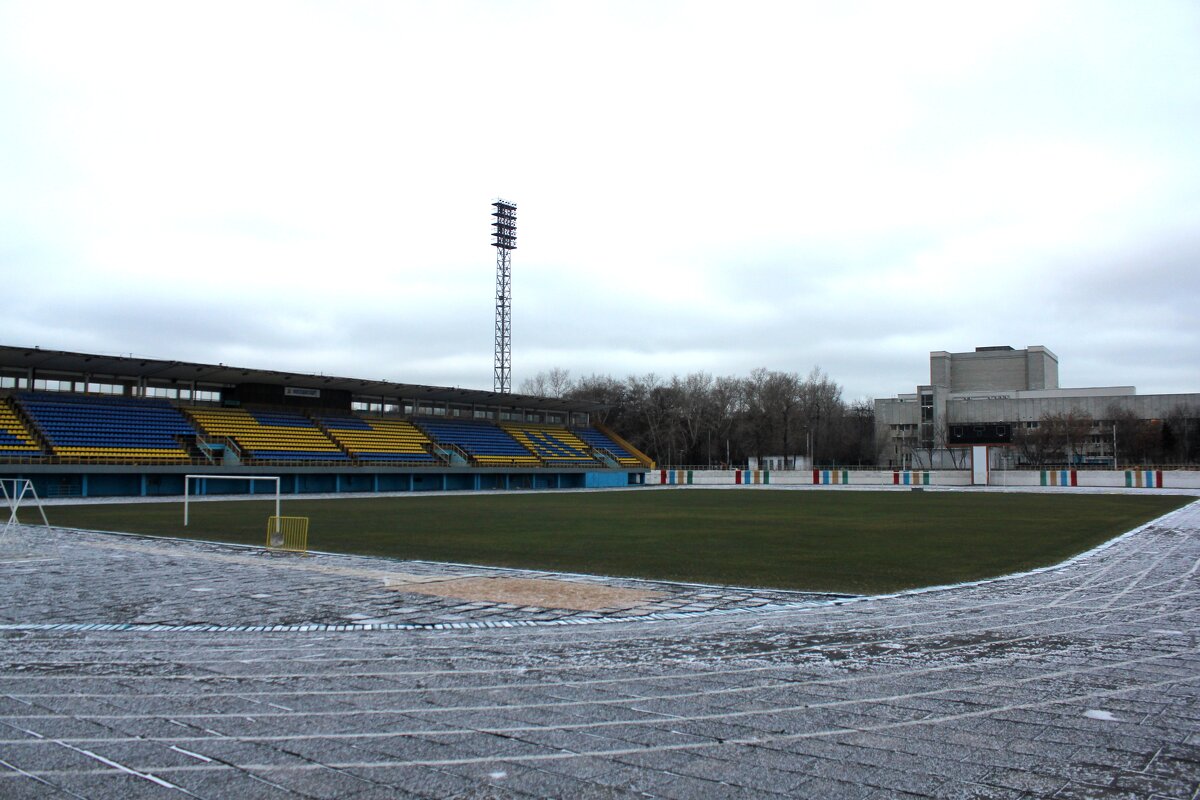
(202,485)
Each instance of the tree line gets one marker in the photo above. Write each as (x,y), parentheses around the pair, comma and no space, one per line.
(702,420)
(1070,437)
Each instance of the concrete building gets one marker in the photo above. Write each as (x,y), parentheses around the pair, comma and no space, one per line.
(1010,400)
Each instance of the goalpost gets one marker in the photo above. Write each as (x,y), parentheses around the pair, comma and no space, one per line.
(21,487)
(187,485)
(284,533)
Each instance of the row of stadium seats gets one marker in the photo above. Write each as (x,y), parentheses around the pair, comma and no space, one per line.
(383,440)
(92,427)
(80,426)
(487,444)
(556,446)
(268,436)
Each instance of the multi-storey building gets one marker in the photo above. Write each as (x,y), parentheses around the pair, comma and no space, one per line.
(1011,398)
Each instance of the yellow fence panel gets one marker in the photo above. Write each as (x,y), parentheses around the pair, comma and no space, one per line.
(287,533)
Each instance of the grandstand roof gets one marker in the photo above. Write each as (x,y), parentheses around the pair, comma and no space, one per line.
(62,364)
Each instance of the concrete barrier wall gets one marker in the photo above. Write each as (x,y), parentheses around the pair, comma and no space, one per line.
(1127,479)
(1133,479)
(810,477)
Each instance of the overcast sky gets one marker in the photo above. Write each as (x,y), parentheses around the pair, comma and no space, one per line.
(716,187)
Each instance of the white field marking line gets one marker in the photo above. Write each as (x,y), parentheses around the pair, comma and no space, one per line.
(613,635)
(1092,581)
(1141,575)
(593,682)
(196,756)
(1028,605)
(214,677)
(367,573)
(147,776)
(1184,539)
(661,717)
(1020,602)
(42,781)
(1157,617)
(223,498)
(1136,579)
(924,590)
(1005,603)
(610,702)
(689,746)
(1051,569)
(939,621)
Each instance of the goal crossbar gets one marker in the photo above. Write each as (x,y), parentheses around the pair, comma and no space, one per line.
(187,485)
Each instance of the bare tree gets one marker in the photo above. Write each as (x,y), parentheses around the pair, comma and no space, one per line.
(701,419)
(941,437)
(695,410)
(1138,441)
(729,409)
(555,382)
(821,400)
(1181,435)
(1032,443)
(1066,434)
(773,403)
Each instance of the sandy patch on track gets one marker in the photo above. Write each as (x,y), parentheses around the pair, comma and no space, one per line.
(539,592)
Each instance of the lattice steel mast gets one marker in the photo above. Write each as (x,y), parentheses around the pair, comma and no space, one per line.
(505,241)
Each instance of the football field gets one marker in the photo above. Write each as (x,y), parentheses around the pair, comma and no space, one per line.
(834,541)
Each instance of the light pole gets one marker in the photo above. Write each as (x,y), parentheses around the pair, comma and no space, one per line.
(505,241)
(1114,444)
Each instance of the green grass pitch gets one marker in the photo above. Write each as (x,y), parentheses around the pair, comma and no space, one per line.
(837,541)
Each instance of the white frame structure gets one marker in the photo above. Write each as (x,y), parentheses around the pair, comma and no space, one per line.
(20,487)
(187,483)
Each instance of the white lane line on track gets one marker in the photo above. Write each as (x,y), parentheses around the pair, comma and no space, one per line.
(147,776)
(619,701)
(685,747)
(1186,511)
(707,620)
(661,718)
(487,671)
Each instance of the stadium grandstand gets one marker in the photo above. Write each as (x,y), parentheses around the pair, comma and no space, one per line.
(90,425)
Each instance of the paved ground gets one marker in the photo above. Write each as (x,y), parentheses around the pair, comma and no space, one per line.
(134,667)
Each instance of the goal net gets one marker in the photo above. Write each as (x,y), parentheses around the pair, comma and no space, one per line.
(17,492)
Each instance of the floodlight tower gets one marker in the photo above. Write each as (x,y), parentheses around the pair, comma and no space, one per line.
(505,241)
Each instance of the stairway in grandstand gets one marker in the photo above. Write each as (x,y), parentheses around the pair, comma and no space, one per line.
(554,445)
(101,428)
(379,440)
(486,444)
(268,435)
(606,446)
(16,440)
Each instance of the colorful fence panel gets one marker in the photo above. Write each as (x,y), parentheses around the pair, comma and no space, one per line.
(1144,478)
(675,477)
(1060,477)
(910,478)
(830,477)
(749,476)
